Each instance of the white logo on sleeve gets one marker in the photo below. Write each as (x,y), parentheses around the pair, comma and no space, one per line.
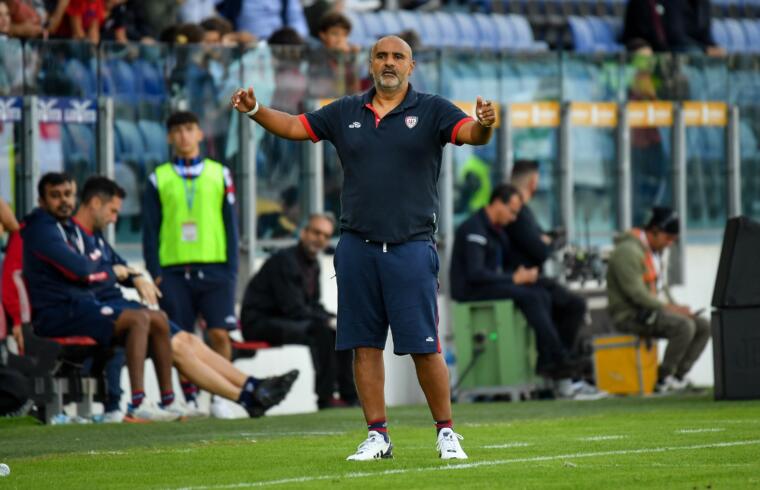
(411,121)
(430,339)
(355,125)
(479,239)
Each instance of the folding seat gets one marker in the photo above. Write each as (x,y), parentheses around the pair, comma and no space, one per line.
(468,28)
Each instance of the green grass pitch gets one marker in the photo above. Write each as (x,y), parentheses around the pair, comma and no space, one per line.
(688,442)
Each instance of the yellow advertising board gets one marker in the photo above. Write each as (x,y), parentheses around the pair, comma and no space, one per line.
(594,114)
(652,114)
(698,113)
(535,114)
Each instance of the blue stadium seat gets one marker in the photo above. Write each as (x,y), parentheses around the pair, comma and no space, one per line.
(720,34)
(373,26)
(505,31)
(81,77)
(583,36)
(150,80)
(129,143)
(450,36)
(524,32)
(389,21)
(358,34)
(154,140)
(489,34)
(122,78)
(752,34)
(468,28)
(736,37)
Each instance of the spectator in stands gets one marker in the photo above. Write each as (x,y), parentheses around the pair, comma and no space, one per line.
(5,21)
(61,277)
(25,20)
(671,25)
(126,22)
(83,20)
(279,220)
(478,273)
(333,69)
(159,15)
(218,30)
(263,17)
(531,247)
(282,305)
(635,281)
(190,236)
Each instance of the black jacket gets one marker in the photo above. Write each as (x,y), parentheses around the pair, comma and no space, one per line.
(669,25)
(478,257)
(281,289)
(524,235)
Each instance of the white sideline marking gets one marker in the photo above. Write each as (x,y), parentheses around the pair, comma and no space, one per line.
(464,466)
(601,438)
(507,445)
(697,431)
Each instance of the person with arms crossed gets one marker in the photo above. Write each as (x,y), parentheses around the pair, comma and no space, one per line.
(390,142)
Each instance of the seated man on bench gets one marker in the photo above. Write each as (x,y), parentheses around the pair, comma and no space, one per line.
(281,305)
(102,203)
(481,247)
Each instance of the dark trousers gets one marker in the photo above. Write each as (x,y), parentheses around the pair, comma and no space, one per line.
(331,369)
(568,311)
(535,303)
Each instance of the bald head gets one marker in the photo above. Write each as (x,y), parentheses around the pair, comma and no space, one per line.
(391,65)
(390,44)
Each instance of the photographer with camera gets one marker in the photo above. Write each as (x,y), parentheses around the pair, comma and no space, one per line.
(634,283)
(531,247)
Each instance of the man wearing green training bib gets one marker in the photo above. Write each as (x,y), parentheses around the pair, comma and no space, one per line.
(190,238)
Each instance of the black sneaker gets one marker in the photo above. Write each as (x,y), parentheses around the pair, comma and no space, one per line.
(270,392)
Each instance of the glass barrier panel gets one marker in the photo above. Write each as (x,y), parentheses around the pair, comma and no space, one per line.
(540,144)
(281,185)
(465,76)
(11,108)
(701,77)
(133,76)
(706,186)
(651,170)
(592,78)
(530,77)
(595,184)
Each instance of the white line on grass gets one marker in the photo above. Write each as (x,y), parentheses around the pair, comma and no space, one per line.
(465,466)
(601,438)
(698,431)
(507,445)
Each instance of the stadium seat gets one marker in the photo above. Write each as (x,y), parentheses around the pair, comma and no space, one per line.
(489,34)
(752,34)
(720,34)
(82,79)
(468,29)
(505,31)
(737,41)
(451,36)
(524,35)
(583,37)
(150,80)
(154,140)
(129,143)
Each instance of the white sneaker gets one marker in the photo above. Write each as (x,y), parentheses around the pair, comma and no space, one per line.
(148,412)
(176,408)
(194,411)
(113,417)
(374,447)
(448,445)
(584,391)
(671,384)
(221,409)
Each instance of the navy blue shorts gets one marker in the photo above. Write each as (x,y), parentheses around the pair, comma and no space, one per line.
(378,286)
(206,291)
(83,317)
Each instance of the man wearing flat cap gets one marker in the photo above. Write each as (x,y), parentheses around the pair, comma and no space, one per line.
(634,286)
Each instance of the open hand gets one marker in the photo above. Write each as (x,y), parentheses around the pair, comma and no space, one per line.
(148,291)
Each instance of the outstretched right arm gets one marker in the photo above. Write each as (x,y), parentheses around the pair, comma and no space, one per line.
(279,123)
